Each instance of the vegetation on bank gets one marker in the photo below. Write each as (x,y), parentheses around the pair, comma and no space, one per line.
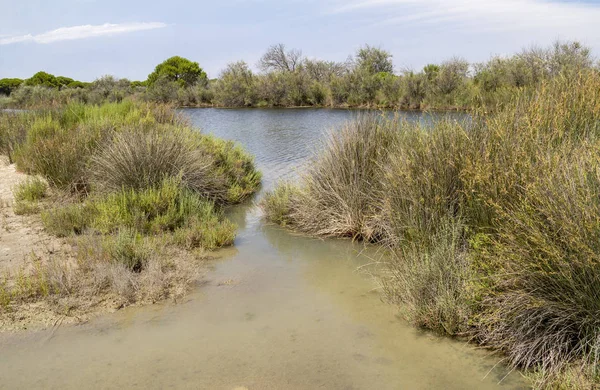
(136,191)
(287,78)
(493,223)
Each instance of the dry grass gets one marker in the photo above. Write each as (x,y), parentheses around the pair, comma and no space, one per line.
(341,191)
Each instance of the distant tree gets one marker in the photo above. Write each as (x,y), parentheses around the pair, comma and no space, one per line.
(374,60)
(431,71)
(568,57)
(277,58)
(77,84)
(163,90)
(7,86)
(63,81)
(180,70)
(324,71)
(453,73)
(137,84)
(43,79)
(235,87)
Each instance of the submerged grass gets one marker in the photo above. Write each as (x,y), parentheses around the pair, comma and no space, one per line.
(493,223)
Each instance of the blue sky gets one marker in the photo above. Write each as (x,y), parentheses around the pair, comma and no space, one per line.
(85,39)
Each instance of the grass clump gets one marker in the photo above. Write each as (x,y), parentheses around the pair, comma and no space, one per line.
(139,159)
(64,221)
(155,210)
(429,281)
(27,195)
(340,192)
(493,224)
(31,190)
(129,248)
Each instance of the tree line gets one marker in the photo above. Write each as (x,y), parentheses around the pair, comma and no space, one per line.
(287,78)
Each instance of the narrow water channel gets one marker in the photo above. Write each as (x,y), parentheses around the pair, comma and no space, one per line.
(278,311)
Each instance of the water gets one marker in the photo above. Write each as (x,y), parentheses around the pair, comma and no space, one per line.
(280,311)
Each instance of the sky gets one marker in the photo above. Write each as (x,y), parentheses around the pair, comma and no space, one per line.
(86,39)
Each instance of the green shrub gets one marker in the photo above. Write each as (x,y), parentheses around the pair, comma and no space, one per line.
(13,131)
(430,282)
(32,189)
(277,204)
(129,248)
(25,207)
(139,160)
(153,210)
(543,311)
(207,233)
(340,194)
(58,154)
(234,164)
(67,220)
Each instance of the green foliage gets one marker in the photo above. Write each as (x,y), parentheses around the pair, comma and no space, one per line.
(367,79)
(216,169)
(236,86)
(43,79)
(429,281)
(207,233)
(27,194)
(32,189)
(180,70)
(278,204)
(235,165)
(64,221)
(7,86)
(340,193)
(129,248)
(374,60)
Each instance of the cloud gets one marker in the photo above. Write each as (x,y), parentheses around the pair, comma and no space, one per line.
(482,15)
(80,32)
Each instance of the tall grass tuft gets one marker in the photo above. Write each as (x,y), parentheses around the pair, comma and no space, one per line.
(341,191)
(137,159)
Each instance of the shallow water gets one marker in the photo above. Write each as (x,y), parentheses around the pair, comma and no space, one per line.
(280,311)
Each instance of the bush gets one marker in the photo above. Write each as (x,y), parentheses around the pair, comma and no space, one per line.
(341,191)
(153,210)
(430,281)
(138,160)
(129,248)
(13,132)
(67,220)
(32,189)
(207,233)
(543,311)
(58,154)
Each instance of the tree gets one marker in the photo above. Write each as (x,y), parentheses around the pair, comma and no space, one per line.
(323,71)
(44,79)
(374,60)
(63,81)
(452,75)
(278,59)
(235,87)
(9,85)
(180,70)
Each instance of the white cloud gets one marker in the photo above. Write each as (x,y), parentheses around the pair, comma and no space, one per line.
(80,32)
(481,15)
